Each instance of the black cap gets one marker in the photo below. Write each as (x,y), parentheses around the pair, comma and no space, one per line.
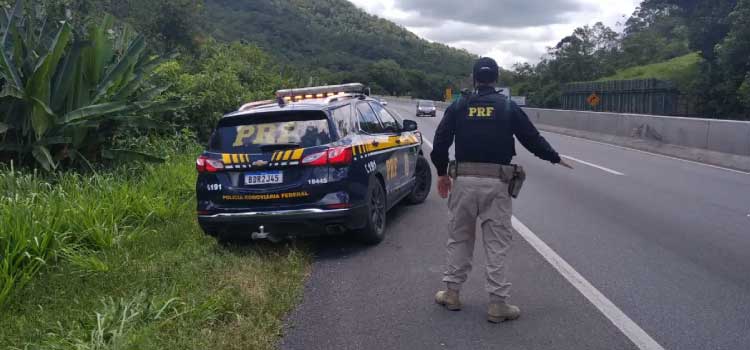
(486,70)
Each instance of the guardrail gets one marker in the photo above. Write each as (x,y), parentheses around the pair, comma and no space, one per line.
(720,142)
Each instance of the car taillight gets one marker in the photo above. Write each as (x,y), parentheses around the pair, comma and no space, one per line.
(316,159)
(200,164)
(332,156)
(340,156)
(208,165)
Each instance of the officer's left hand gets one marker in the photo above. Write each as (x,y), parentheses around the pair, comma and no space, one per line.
(565,164)
(444,186)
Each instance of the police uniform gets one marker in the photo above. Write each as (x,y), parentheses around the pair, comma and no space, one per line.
(483,126)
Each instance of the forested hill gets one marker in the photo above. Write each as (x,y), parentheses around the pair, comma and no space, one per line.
(335,35)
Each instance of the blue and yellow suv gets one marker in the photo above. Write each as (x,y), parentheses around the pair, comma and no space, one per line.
(323,160)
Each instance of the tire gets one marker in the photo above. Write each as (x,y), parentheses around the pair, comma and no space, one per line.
(374,232)
(209,230)
(423,182)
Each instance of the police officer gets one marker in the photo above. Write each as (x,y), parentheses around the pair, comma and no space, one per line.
(482,125)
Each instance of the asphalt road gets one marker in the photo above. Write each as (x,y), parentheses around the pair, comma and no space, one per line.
(665,241)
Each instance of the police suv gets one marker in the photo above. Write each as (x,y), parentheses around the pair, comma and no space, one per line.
(322,160)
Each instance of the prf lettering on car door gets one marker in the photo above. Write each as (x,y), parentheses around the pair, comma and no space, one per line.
(391,166)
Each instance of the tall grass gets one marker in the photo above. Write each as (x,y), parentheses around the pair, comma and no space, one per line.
(116,260)
(48,218)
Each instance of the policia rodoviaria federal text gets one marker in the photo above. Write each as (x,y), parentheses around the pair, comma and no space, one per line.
(482,182)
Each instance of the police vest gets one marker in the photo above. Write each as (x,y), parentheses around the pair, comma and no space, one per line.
(484,128)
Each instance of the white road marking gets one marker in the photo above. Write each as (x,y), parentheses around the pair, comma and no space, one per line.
(619,319)
(629,328)
(654,154)
(593,165)
(427,142)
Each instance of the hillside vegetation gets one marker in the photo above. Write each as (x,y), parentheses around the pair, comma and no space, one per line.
(702,46)
(339,42)
(681,70)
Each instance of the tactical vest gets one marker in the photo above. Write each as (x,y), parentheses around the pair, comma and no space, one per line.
(484,129)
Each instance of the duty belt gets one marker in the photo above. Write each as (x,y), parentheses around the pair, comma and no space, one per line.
(484,170)
(513,175)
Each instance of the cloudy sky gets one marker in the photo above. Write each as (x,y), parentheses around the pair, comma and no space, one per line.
(508,30)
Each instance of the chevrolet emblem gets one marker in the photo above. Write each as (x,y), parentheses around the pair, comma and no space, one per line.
(260,163)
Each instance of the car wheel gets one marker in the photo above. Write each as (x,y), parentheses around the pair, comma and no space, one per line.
(209,230)
(422,183)
(374,231)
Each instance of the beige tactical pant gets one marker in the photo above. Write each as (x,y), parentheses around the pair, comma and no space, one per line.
(488,200)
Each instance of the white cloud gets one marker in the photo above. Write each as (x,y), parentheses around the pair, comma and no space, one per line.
(510,31)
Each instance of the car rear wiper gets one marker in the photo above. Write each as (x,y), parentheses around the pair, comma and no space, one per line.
(278,146)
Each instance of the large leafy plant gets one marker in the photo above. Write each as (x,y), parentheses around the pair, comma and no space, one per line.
(65,93)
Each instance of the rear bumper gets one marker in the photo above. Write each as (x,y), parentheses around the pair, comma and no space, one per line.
(285,223)
(272,215)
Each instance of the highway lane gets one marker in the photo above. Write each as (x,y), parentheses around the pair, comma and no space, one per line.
(666,241)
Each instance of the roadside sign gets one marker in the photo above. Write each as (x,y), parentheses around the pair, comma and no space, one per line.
(594,100)
(448,95)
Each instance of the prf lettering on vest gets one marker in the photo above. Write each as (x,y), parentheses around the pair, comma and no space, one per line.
(481,112)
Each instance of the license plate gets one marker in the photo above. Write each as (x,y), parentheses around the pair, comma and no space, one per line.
(265,178)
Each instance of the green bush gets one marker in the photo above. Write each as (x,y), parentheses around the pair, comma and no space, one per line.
(220,80)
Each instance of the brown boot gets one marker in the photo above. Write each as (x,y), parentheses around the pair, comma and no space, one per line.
(501,312)
(449,299)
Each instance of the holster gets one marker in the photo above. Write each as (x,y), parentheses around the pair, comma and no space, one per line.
(516,182)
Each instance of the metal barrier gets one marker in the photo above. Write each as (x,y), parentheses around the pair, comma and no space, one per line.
(647,96)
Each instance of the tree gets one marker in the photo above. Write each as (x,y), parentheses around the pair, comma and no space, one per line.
(655,32)
(170,24)
(388,75)
(718,29)
(707,22)
(732,59)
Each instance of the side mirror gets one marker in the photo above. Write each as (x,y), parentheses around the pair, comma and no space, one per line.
(410,125)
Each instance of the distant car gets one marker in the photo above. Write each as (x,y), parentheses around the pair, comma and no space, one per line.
(325,160)
(426,109)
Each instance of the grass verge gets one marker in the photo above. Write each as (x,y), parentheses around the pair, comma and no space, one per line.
(117,261)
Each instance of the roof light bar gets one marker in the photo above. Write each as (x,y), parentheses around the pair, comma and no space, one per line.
(319,92)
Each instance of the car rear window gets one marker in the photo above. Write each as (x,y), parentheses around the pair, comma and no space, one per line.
(261,133)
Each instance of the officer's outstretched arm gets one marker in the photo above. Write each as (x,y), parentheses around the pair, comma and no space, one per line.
(443,140)
(530,137)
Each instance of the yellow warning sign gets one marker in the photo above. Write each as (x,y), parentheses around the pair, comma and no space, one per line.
(448,95)
(594,100)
